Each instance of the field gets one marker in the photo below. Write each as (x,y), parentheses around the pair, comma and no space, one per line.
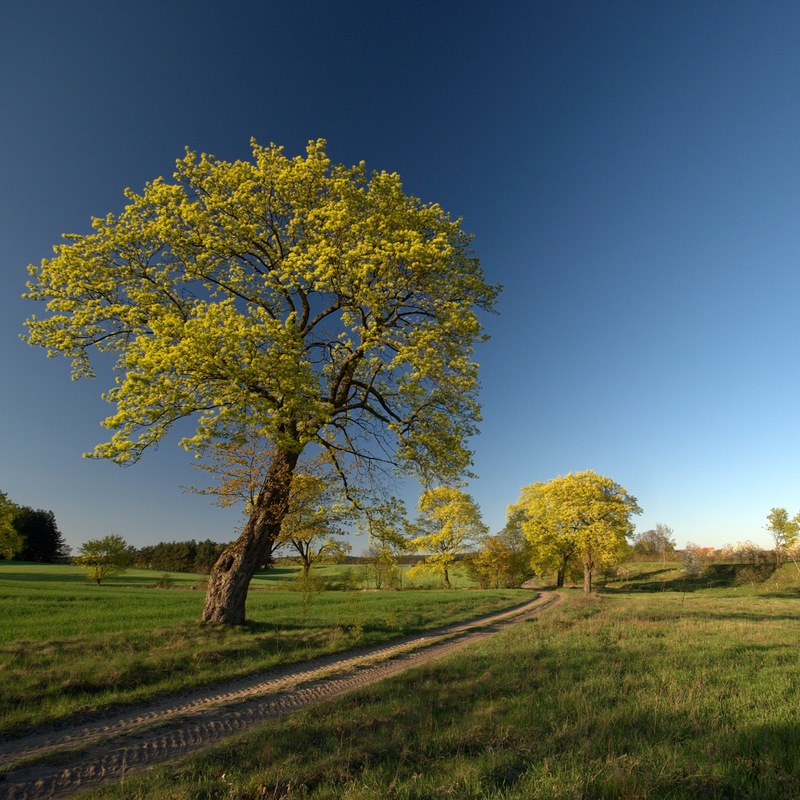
(69,646)
(655,688)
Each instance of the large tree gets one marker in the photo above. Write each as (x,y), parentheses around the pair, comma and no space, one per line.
(316,304)
(581,515)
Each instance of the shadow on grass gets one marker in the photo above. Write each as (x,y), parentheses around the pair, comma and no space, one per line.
(462,723)
(713,576)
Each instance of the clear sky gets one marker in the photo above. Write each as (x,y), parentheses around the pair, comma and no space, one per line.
(630,171)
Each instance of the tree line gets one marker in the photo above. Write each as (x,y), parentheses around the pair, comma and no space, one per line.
(188,556)
(30,534)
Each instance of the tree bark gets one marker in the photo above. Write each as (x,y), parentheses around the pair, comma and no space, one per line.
(588,568)
(231,574)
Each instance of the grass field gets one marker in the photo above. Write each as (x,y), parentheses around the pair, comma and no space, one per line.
(657,687)
(69,646)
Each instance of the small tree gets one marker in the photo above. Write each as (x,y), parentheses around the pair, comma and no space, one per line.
(387,526)
(311,526)
(658,541)
(784,531)
(692,560)
(503,561)
(449,524)
(105,558)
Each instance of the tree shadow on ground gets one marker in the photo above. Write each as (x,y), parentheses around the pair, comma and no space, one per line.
(713,576)
(467,712)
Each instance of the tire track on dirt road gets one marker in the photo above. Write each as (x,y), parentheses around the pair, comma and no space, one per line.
(133,739)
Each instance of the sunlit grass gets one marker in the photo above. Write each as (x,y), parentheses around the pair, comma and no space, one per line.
(659,694)
(67,645)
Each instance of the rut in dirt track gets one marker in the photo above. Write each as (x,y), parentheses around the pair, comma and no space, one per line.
(138,738)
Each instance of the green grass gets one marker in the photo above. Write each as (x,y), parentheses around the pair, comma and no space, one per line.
(69,646)
(627,694)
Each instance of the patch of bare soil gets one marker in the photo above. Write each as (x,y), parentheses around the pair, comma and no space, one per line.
(56,762)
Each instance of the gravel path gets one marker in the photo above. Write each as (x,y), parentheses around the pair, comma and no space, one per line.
(57,762)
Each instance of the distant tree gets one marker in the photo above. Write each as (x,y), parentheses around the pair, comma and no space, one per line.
(503,561)
(311,528)
(175,556)
(11,541)
(44,542)
(449,524)
(553,547)
(743,553)
(784,531)
(105,558)
(581,515)
(658,541)
(387,526)
(182,556)
(207,554)
(381,563)
(692,559)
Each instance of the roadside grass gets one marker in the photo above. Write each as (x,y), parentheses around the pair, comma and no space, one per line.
(68,646)
(637,694)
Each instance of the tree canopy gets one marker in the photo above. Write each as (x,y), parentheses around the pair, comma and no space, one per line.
(503,561)
(311,303)
(582,516)
(449,523)
(105,558)
(44,542)
(783,529)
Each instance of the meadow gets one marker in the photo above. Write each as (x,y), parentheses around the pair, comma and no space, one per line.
(656,687)
(68,646)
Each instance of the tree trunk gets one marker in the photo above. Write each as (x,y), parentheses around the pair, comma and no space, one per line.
(446,579)
(560,577)
(231,574)
(587,577)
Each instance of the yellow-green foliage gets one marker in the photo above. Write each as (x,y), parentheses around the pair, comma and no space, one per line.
(449,523)
(581,516)
(289,296)
(10,540)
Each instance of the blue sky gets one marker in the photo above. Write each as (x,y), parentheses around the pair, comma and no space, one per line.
(630,171)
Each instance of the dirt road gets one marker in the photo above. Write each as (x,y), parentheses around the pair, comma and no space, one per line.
(56,762)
